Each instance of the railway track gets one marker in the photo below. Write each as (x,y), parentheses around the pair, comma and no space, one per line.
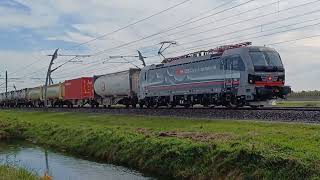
(286,114)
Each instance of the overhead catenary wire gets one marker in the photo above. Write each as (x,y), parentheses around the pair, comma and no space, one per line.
(217,13)
(220,19)
(131,24)
(173,28)
(292,40)
(279,27)
(291,17)
(208,15)
(249,19)
(241,40)
(268,34)
(117,30)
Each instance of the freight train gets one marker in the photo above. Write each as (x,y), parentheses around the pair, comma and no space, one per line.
(232,76)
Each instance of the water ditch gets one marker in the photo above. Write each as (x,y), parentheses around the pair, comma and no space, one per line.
(61,166)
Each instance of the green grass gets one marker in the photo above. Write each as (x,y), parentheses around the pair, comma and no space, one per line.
(196,149)
(10,173)
(298,104)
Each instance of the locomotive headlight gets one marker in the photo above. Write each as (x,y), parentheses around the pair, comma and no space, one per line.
(251,79)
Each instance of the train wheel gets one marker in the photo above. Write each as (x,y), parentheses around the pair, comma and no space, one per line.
(172,105)
(187,105)
(232,105)
(141,105)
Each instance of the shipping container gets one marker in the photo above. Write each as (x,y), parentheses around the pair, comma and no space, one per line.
(35,94)
(123,83)
(55,91)
(117,88)
(79,89)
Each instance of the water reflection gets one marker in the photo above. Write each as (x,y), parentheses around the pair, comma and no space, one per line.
(60,166)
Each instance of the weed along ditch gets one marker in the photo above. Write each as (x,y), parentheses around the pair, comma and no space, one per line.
(170,148)
(37,160)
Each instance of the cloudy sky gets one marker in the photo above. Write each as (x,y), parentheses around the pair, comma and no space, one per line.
(31,29)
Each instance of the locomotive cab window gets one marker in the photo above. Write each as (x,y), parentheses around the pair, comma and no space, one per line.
(234,63)
(266,61)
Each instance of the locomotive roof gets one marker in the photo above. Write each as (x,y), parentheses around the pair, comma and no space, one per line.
(212,55)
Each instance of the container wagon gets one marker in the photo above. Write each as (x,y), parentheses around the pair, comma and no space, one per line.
(117,88)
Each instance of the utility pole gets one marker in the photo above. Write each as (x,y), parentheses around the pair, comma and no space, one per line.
(48,78)
(6,82)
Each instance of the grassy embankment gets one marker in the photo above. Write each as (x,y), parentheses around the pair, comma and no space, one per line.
(298,104)
(195,149)
(9,173)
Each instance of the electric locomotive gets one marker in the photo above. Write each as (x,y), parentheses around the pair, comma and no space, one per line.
(233,76)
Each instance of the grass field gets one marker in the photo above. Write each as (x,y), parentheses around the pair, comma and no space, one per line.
(298,104)
(198,149)
(9,173)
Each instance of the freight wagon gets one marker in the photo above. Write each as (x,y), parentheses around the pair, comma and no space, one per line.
(117,88)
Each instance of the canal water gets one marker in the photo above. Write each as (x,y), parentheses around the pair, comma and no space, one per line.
(62,167)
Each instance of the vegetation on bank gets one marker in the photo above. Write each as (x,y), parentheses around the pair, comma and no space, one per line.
(10,173)
(173,147)
(314,93)
(298,104)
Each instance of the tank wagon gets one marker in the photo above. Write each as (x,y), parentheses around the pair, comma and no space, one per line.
(35,96)
(55,95)
(117,88)
(232,76)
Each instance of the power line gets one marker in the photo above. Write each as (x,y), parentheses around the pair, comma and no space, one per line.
(131,24)
(267,34)
(279,27)
(173,28)
(222,19)
(197,16)
(264,35)
(292,40)
(291,17)
(242,21)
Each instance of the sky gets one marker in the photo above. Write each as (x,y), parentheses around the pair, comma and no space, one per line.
(32,29)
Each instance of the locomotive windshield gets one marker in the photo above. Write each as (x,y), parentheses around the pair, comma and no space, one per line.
(266,61)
